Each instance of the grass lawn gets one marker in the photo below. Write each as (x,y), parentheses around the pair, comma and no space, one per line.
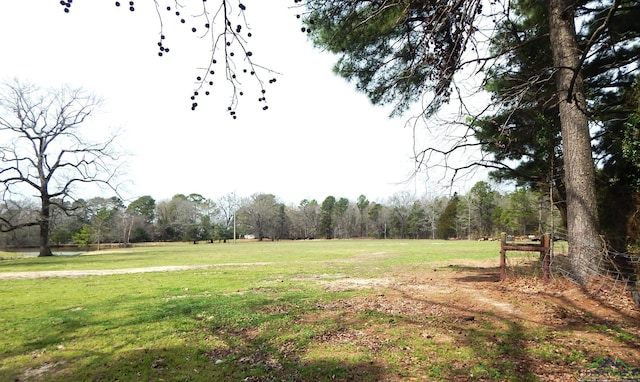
(348,310)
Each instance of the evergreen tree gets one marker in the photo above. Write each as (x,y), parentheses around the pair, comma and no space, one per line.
(447,223)
(326,217)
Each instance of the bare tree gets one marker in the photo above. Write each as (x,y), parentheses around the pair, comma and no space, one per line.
(400,207)
(43,154)
(260,213)
(225,219)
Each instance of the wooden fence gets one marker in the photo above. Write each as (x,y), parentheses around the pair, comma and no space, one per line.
(544,248)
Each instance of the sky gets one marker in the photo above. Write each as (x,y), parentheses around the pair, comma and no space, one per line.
(319,137)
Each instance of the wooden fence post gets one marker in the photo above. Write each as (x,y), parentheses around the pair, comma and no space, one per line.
(503,256)
(545,253)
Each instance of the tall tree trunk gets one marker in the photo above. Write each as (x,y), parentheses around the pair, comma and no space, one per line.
(45,218)
(585,246)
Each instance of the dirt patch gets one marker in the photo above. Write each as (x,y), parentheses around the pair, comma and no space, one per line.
(581,325)
(93,272)
(106,272)
(41,371)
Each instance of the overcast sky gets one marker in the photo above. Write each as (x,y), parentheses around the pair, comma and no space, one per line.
(319,137)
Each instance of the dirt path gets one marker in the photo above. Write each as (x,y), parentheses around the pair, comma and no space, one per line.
(95,272)
(105,272)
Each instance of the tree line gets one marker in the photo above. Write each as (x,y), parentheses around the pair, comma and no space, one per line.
(562,75)
(482,213)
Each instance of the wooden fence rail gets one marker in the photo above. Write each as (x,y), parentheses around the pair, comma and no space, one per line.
(544,248)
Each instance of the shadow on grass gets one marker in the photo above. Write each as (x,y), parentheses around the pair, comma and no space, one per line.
(492,274)
(272,334)
(505,345)
(239,337)
(253,362)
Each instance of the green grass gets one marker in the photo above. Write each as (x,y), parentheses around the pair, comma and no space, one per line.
(256,312)
(250,252)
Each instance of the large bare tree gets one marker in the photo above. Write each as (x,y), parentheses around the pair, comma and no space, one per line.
(44,156)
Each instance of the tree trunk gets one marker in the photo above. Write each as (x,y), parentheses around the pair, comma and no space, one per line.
(45,214)
(585,246)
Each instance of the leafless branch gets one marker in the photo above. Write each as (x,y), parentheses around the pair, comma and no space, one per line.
(45,156)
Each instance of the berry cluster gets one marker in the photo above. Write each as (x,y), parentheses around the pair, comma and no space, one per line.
(131,5)
(309,21)
(234,44)
(163,49)
(66,5)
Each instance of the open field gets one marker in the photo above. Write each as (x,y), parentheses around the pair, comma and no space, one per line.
(348,310)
